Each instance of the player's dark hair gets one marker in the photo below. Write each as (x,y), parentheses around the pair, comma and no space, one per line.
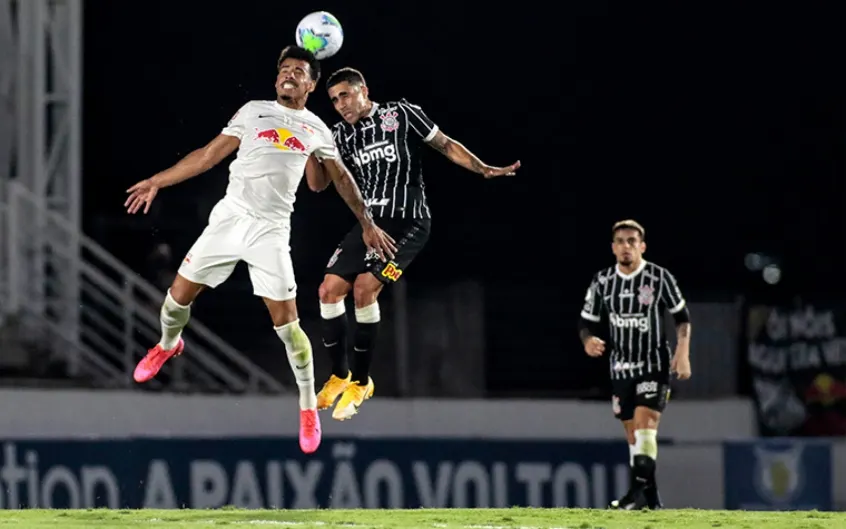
(345,75)
(301,54)
(628,224)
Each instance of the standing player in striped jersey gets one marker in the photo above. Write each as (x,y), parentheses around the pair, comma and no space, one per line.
(381,145)
(633,295)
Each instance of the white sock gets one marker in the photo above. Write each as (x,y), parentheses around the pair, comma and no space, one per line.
(298,348)
(329,311)
(173,318)
(646,443)
(632,453)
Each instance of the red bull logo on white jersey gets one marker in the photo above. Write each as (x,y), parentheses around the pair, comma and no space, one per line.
(282,139)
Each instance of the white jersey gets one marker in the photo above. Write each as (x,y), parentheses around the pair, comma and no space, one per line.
(276,142)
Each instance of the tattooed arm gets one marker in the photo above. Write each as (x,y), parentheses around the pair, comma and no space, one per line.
(373,236)
(348,189)
(460,155)
(683,337)
(681,358)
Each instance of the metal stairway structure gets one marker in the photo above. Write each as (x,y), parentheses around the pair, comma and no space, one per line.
(65,293)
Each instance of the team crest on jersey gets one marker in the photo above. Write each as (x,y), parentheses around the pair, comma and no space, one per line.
(646,295)
(307,129)
(390,122)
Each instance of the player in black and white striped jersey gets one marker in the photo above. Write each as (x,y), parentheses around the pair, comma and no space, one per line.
(633,296)
(381,144)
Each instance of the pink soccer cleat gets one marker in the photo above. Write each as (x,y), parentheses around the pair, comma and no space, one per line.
(310,433)
(150,365)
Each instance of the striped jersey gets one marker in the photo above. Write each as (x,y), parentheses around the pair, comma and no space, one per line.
(383,153)
(634,305)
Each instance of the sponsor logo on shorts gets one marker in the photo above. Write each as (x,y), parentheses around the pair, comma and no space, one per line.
(647,387)
(391,271)
(334,258)
(615,404)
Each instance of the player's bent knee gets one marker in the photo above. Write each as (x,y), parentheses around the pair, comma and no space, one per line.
(333,289)
(366,289)
(282,312)
(646,418)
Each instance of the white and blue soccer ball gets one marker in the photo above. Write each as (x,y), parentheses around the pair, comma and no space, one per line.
(320,33)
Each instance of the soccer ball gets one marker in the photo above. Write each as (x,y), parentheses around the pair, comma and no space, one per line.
(320,33)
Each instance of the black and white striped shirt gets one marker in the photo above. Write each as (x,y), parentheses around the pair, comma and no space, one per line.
(634,305)
(382,151)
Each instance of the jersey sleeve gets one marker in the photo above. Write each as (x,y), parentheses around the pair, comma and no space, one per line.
(593,302)
(324,148)
(418,121)
(671,294)
(238,124)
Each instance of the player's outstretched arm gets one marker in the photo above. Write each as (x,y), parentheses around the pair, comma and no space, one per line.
(373,236)
(461,155)
(316,176)
(195,163)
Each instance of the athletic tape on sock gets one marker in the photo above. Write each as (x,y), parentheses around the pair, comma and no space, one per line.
(646,443)
(329,311)
(368,314)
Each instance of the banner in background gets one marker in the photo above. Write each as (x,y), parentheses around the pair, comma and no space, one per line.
(797,361)
(273,473)
(777,474)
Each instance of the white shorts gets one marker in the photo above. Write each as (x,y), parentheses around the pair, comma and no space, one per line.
(231,237)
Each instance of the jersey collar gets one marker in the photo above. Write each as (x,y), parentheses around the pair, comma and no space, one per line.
(373,108)
(638,270)
(283,108)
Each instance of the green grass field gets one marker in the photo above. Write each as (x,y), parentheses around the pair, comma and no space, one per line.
(420,519)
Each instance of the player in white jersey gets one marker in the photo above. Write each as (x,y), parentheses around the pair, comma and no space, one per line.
(275,140)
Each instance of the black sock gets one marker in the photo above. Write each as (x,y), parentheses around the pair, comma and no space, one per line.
(364,342)
(653,498)
(335,342)
(644,471)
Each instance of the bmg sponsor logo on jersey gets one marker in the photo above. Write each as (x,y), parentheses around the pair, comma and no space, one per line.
(638,322)
(374,152)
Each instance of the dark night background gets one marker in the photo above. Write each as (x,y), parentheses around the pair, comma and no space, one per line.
(720,128)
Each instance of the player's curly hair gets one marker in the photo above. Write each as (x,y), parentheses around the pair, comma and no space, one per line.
(345,75)
(302,54)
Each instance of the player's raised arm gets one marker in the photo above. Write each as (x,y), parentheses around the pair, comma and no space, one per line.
(420,123)
(461,155)
(195,163)
(676,304)
(373,236)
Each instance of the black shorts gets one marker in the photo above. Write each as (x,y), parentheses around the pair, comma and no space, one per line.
(650,392)
(351,258)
